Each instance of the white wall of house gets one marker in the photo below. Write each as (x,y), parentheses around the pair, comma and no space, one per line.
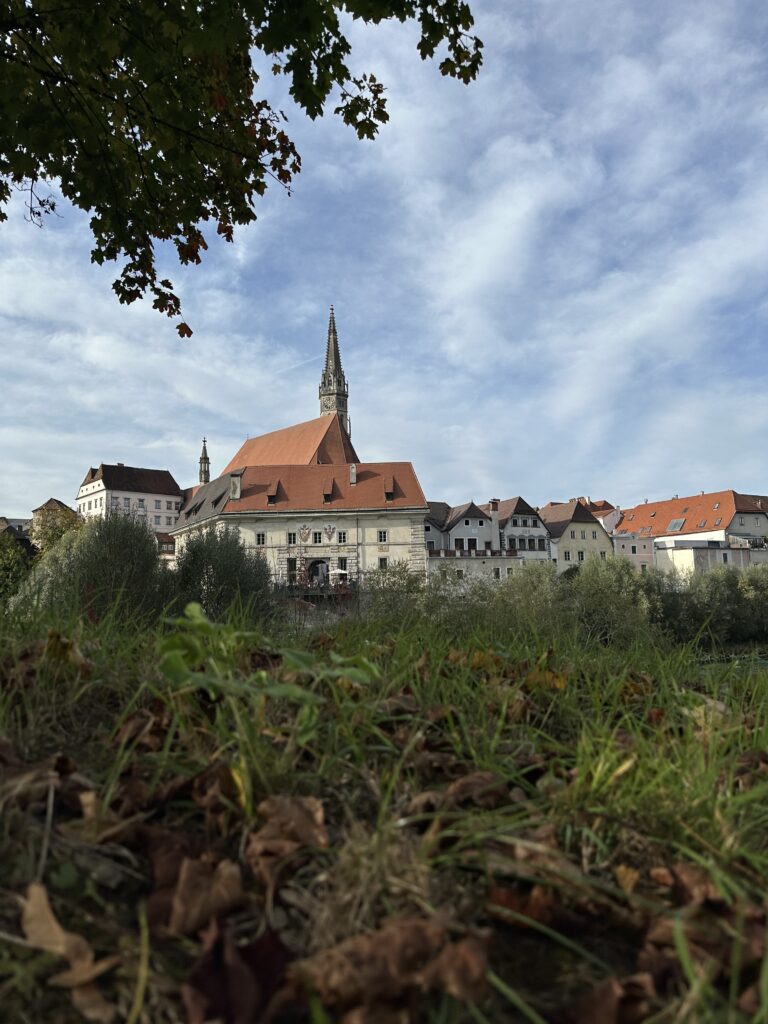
(529,535)
(344,542)
(473,532)
(700,559)
(161,510)
(467,565)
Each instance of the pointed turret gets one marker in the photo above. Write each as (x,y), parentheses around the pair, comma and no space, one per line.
(205,465)
(334,392)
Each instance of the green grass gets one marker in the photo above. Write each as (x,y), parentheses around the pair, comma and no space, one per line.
(615,760)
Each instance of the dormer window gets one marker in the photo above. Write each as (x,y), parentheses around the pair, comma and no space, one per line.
(272,492)
(327,489)
(389,488)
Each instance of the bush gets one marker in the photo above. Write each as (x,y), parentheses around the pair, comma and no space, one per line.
(109,564)
(215,569)
(14,565)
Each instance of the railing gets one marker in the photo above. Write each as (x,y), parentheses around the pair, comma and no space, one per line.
(462,553)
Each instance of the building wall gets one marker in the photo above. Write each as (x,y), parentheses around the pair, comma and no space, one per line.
(95,500)
(363,547)
(637,550)
(594,544)
(520,531)
(482,565)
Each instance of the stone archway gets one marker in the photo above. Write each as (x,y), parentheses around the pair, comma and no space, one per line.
(317,572)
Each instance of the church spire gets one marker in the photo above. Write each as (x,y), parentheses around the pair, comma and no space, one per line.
(334,392)
(205,465)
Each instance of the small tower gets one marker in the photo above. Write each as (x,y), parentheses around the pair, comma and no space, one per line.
(334,392)
(205,465)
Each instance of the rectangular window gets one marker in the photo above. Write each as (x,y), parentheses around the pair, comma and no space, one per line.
(141,503)
(534,522)
(89,506)
(725,556)
(169,506)
(542,544)
(459,543)
(594,535)
(342,564)
(602,555)
(496,573)
(177,505)
(583,534)
(741,520)
(126,502)
(643,567)
(158,504)
(261,539)
(581,556)
(169,520)
(382,536)
(472,544)
(430,545)
(291,570)
(566,556)
(487,545)
(573,535)
(427,528)
(675,525)
(291,538)
(757,520)
(383,562)
(718,521)
(510,570)
(459,574)
(515,522)
(341,537)
(157,520)
(317,537)
(634,549)
(481,522)
(466,522)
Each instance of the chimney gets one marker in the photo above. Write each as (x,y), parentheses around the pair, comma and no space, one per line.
(235,482)
(352,473)
(493,505)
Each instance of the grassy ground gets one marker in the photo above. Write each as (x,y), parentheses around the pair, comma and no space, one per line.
(390,819)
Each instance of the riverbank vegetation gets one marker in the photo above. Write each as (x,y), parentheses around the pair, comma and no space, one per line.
(543,801)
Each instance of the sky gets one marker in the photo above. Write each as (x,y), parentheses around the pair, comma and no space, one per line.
(551,282)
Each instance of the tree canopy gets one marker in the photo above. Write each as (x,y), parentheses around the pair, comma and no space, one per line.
(145,113)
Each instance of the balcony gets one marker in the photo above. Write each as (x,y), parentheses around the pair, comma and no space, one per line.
(461,553)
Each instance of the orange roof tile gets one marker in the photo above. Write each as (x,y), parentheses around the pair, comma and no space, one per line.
(322,440)
(279,489)
(698,513)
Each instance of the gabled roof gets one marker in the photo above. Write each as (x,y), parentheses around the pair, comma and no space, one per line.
(438,513)
(469,510)
(133,478)
(516,506)
(316,490)
(54,504)
(323,440)
(558,515)
(698,513)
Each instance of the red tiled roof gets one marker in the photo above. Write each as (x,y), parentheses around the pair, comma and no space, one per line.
(322,440)
(509,507)
(278,489)
(700,513)
(54,504)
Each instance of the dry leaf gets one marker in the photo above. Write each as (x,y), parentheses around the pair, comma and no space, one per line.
(44,932)
(626,877)
(293,824)
(202,892)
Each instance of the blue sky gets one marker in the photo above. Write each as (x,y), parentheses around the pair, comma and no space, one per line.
(549,283)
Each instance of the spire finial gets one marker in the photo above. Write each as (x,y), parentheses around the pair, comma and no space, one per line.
(204,475)
(333,384)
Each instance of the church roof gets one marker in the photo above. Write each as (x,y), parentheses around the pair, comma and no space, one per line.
(133,478)
(314,489)
(322,440)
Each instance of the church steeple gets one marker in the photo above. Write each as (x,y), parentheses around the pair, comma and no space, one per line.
(334,392)
(205,465)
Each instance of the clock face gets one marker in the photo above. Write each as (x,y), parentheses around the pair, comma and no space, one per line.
(327,402)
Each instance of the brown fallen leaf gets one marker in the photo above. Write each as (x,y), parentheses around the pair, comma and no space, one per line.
(232,983)
(293,824)
(508,904)
(204,891)
(44,932)
(405,958)
(618,1002)
(626,877)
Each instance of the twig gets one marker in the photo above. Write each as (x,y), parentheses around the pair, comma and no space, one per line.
(143,974)
(46,834)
